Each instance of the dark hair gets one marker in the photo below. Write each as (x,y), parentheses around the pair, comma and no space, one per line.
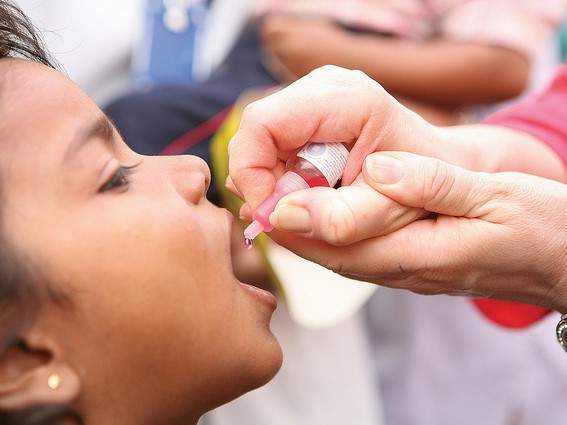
(19,37)
(20,293)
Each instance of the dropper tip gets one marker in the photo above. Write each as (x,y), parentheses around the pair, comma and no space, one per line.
(250,233)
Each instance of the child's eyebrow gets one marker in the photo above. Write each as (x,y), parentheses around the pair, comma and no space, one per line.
(101,128)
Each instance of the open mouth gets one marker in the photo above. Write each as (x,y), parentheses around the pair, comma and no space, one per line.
(248,265)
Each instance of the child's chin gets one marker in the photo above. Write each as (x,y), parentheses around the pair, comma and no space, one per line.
(265,364)
(258,370)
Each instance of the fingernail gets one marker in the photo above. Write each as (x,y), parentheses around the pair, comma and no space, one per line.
(291,218)
(384,169)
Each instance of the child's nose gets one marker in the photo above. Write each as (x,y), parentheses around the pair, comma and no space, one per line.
(192,177)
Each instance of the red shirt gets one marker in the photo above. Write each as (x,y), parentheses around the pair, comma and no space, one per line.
(544,116)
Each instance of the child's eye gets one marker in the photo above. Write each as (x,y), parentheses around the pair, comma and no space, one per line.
(119,180)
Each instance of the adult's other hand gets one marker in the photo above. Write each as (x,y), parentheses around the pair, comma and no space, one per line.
(500,235)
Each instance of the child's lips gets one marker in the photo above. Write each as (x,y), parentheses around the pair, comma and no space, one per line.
(262,295)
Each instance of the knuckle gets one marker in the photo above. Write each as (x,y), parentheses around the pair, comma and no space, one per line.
(364,81)
(504,186)
(334,75)
(507,198)
(359,75)
(438,182)
(327,71)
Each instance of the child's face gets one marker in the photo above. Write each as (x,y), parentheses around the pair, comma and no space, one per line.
(158,325)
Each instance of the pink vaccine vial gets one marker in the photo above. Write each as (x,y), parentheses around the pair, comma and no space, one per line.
(316,164)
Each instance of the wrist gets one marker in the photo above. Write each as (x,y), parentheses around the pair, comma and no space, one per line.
(557,298)
(553,261)
(473,148)
(450,146)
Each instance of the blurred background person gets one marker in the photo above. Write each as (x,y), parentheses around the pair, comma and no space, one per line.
(438,57)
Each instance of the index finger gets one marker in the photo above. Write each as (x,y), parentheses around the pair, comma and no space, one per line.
(327,106)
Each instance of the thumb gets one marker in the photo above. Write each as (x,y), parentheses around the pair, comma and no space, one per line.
(428,183)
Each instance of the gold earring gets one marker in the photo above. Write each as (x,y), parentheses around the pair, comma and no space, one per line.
(54,381)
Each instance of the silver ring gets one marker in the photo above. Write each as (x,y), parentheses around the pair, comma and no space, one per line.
(561,332)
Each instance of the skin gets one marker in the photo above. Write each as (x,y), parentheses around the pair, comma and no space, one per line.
(156,328)
(438,75)
(364,233)
(499,235)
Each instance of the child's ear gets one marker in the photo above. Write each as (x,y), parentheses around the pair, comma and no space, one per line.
(33,373)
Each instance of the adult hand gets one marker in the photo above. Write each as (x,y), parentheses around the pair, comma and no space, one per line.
(500,235)
(330,104)
(333,104)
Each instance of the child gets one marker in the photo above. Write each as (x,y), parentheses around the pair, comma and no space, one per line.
(118,301)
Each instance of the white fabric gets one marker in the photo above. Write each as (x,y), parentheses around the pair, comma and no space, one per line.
(316,297)
(439,362)
(407,359)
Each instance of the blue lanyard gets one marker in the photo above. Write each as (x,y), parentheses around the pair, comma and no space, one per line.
(178,15)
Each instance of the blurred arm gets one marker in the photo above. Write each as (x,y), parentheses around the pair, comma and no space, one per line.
(444,73)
